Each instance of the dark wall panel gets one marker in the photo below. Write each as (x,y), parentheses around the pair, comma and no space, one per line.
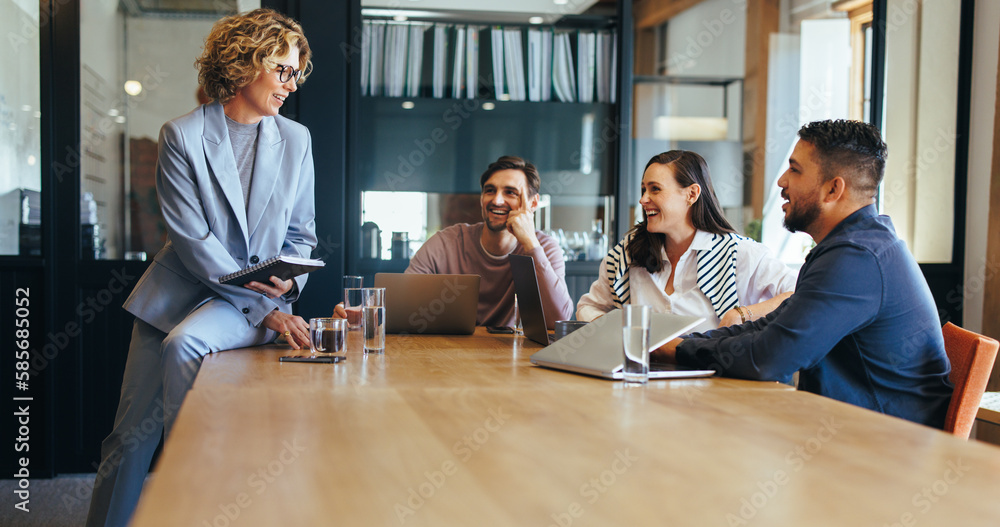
(322,105)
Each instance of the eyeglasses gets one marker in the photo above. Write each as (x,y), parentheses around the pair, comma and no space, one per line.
(287,73)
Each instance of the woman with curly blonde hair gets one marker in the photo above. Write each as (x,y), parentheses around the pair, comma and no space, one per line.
(235,184)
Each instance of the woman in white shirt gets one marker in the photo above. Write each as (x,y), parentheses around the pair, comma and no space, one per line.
(685,257)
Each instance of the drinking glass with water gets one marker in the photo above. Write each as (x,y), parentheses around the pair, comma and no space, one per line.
(352,301)
(373,318)
(635,342)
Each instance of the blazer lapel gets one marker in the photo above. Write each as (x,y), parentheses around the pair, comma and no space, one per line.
(267,166)
(219,152)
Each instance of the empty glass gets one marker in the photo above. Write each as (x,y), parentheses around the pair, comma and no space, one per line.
(635,343)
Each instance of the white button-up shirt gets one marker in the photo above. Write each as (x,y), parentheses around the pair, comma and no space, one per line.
(759,276)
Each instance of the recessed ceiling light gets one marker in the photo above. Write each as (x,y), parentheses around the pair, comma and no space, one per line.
(488,106)
(408,105)
(560,2)
(536,20)
(400,18)
(133,88)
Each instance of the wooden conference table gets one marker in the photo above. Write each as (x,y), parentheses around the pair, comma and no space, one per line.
(465,431)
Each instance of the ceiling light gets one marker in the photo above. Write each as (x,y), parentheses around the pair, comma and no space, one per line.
(400,18)
(133,88)
(536,20)
(408,105)
(488,106)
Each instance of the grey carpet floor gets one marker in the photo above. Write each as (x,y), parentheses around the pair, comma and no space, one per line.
(56,502)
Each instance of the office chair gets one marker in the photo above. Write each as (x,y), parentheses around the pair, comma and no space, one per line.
(971,356)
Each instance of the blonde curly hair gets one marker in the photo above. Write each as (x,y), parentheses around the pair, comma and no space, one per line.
(241,47)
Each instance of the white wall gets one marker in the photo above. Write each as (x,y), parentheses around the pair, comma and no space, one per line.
(982,142)
(921,97)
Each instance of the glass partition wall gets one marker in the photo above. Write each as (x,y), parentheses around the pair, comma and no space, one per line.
(20,131)
(130,84)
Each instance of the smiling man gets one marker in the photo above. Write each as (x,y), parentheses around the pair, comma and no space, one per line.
(862,326)
(508,200)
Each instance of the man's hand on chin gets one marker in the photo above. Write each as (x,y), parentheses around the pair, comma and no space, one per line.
(666,352)
(521,223)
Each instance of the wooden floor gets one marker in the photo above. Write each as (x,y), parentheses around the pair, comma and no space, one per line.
(465,431)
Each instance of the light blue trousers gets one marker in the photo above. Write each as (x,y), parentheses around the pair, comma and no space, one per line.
(159,371)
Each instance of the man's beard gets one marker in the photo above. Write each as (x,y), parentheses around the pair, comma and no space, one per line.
(798,218)
(500,227)
(496,228)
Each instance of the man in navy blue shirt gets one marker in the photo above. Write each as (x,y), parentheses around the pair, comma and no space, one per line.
(862,326)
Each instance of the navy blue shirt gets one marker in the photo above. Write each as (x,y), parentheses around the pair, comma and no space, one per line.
(861,328)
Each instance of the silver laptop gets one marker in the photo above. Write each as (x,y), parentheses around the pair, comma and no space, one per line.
(430,304)
(529,299)
(596,349)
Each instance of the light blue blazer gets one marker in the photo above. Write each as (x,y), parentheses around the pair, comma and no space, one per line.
(210,232)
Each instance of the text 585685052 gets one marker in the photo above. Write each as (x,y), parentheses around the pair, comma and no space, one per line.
(22,332)
(22,308)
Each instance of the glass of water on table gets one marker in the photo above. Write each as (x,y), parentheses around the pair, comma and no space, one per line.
(373,318)
(352,301)
(635,342)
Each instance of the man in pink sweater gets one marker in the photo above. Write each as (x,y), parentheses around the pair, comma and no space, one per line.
(509,199)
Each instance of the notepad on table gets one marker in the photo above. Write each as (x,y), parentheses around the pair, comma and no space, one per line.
(282,266)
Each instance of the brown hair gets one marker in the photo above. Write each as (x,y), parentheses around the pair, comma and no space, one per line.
(706,213)
(514,163)
(241,47)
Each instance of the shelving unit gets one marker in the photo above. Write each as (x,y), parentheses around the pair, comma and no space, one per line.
(442,144)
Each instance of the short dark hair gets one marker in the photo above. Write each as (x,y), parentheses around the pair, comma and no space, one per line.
(853,150)
(706,213)
(514,163)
